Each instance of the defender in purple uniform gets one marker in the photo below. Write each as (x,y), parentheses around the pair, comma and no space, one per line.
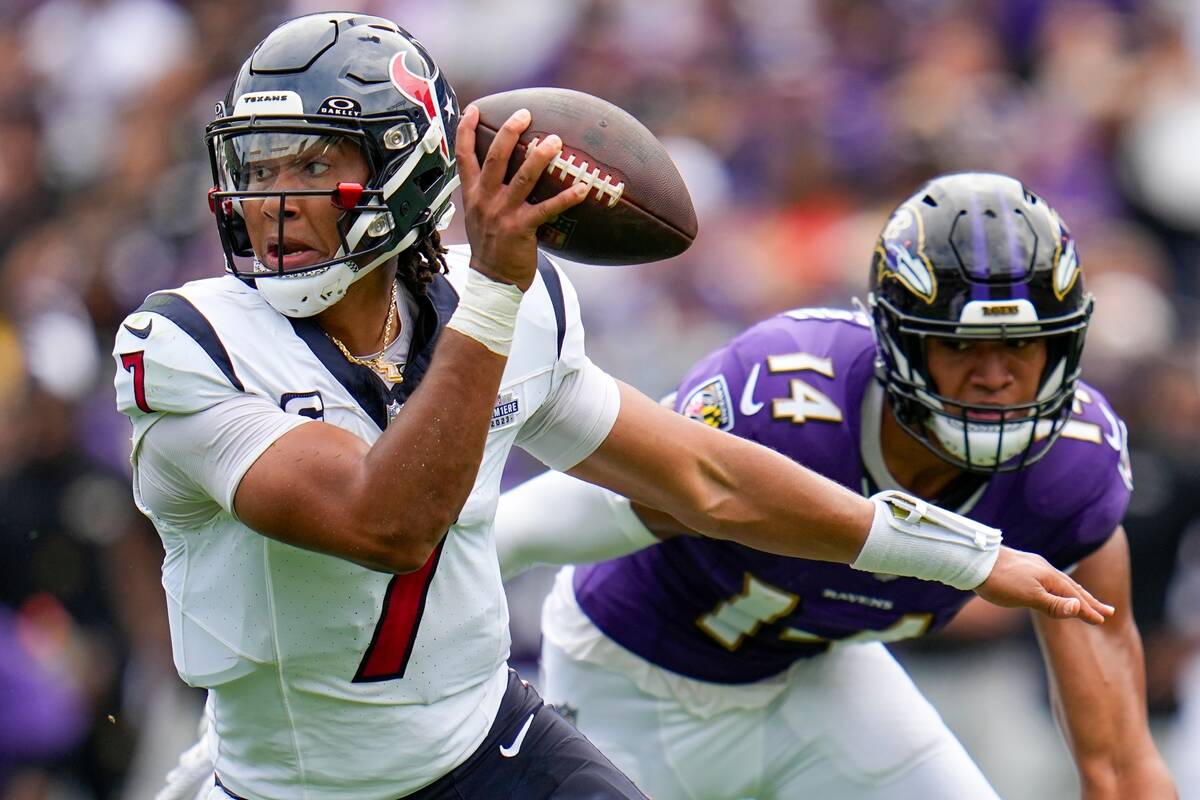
(706,669)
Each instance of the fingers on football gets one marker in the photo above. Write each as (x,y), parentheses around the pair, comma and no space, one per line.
(537,159)
(547,210)
(464,146)
(496,163)
(567,198)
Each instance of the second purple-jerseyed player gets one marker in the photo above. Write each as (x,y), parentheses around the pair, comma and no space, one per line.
(803,384)
(705,669)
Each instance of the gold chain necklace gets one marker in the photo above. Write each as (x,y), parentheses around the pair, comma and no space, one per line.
(387,369)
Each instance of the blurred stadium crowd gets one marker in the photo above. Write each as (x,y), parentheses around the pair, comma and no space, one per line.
(797,124)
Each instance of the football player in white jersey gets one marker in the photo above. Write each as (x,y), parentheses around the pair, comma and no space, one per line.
(318,437)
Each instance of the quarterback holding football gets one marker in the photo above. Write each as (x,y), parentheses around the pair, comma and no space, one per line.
(319,434)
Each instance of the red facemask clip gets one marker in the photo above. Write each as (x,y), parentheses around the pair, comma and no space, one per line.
(346,195)
(226,204)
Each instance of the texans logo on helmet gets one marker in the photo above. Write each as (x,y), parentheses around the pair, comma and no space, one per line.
(419,90)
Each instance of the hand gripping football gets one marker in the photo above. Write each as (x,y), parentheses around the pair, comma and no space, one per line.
(638,209)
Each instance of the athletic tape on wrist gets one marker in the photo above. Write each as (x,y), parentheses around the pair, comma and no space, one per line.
(487,312)
(912,538)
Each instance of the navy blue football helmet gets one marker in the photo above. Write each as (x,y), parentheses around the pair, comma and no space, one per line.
(332,79)
(977,256)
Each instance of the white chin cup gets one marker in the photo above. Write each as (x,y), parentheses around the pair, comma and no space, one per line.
(306,295)
(310,294)
(986,447)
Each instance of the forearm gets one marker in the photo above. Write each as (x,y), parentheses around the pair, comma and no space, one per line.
(1098,688)
(417,476)
(1103,718)
(556,519)
(764,500)
(419,473)
(726,487)
(1093,714)
(744,492)
(1125,776)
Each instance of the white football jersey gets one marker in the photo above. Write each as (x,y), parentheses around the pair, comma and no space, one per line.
(327,679)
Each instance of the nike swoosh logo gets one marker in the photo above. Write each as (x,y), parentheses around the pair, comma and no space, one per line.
(748,407)
(512,750)
(141,333)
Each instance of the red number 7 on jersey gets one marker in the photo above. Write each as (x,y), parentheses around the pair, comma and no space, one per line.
(135,363)
(403,605)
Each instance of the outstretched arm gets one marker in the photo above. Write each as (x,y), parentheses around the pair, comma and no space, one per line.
(730,488)
(1098,687)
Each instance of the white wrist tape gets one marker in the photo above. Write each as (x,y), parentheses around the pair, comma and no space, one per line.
(914,539)
(487,312)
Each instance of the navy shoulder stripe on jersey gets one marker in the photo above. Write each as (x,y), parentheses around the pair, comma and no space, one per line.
(179,310)
(358,380)
(434,308)
(554,288)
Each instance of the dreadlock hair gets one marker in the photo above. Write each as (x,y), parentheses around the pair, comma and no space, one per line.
(420,263)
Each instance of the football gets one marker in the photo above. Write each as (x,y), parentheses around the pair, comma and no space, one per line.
(638,209)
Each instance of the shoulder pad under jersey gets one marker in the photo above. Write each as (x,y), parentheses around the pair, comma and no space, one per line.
(170,359)
(1087,471)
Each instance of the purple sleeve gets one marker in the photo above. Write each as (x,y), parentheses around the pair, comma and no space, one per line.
(709,390)
(793,383)
(1085,483)
(41,716)
(1094,523)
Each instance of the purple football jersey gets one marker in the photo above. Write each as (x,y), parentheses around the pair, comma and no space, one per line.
(721,612)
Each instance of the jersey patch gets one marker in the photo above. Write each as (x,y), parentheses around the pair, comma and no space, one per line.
(505,412)
(709,403)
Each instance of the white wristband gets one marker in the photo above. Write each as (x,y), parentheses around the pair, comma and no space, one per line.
(487,312)
(914,539)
